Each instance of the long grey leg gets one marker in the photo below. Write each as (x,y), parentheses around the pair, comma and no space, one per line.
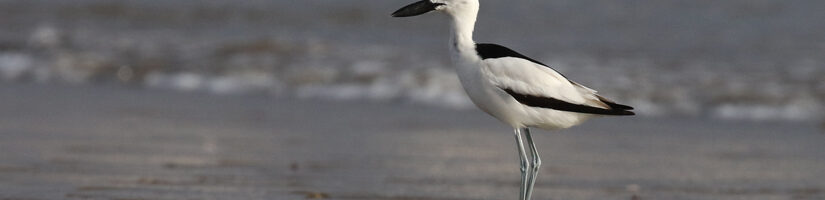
(534,171)
(525,166)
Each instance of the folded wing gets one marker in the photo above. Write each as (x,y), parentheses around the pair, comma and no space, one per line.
(534,84)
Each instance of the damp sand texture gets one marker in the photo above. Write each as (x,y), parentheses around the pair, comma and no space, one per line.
(62,142)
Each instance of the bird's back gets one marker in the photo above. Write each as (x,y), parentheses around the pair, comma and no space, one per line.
(524,92)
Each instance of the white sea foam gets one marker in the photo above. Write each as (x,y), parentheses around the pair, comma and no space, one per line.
(181,81)
(364,55)
(14,65)
(243,83)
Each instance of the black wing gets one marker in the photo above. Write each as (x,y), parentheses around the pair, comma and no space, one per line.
(555,104)
(487,51)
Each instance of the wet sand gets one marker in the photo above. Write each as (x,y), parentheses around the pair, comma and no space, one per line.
(64,142)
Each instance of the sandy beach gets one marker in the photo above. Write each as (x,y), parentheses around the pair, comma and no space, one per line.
(101,142)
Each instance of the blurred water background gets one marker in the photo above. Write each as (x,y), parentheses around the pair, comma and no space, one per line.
(731,59)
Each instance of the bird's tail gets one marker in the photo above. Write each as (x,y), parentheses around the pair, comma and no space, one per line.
(615,108)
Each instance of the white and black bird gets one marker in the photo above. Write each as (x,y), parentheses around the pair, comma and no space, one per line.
(513,88)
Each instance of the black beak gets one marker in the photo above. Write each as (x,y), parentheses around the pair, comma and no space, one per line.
(416,8)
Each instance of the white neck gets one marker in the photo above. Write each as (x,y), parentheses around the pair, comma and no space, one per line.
(462,31)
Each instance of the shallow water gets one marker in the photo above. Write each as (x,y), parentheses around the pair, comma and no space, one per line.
(722,59)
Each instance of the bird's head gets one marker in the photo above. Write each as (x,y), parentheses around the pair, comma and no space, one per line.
(451,7)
